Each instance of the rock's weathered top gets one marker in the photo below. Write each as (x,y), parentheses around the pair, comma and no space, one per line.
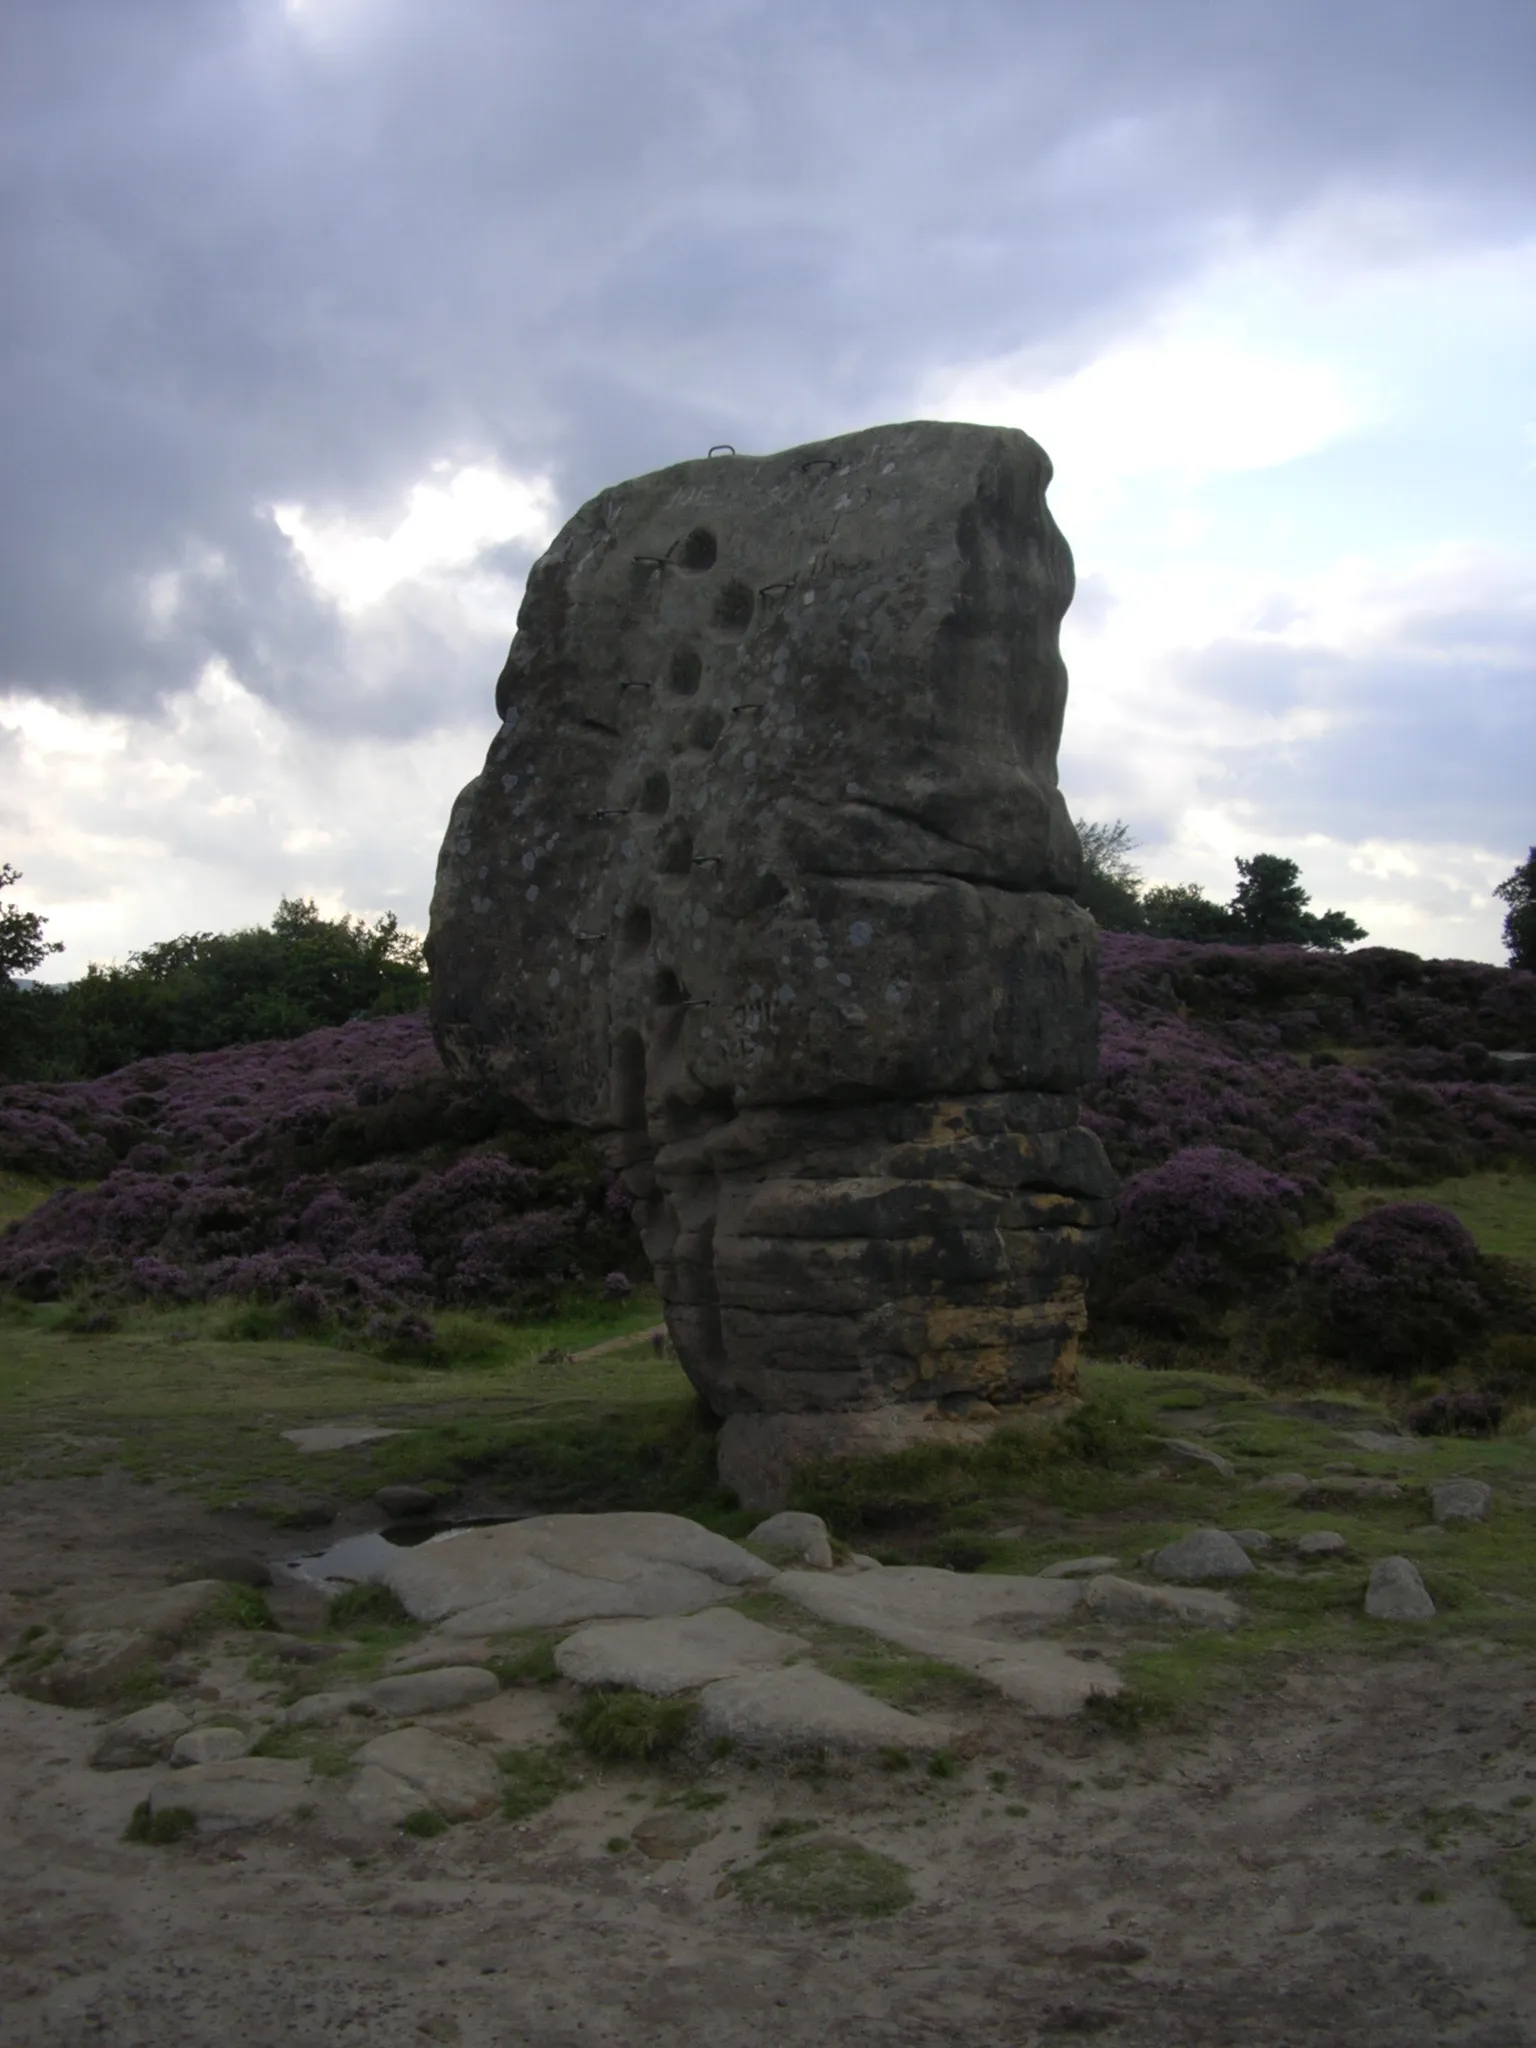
(773,803)
(767,874)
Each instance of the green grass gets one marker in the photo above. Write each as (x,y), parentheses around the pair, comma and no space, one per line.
(1499,1208)
(364,1607)
(20,1194)
(168,1397)
(159,1829)
(630,1727)
(916,1684)
(424,1824)
(827,1876)
(530,1661)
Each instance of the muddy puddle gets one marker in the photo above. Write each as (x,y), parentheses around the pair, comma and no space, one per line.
(352,1560)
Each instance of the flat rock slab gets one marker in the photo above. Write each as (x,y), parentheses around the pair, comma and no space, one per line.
(1127,1600)
(244,1794)
(1461,1500)
(139,1739)
(1078,1567)
(326,1709)
(455,1780)
(1397,1592)
(557,1569)
(1337,1489)
(800,1707)
(336,1436)
(438,1691)
(164,1616)
(668,1835)
(1183,1452)
(1203,1554)
(91,1667)
(1384,1440)
(674,1653)
(898,1601)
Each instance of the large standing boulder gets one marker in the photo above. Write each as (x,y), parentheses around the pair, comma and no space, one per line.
(767,876)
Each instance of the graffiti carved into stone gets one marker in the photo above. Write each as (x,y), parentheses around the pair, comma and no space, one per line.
(767,876)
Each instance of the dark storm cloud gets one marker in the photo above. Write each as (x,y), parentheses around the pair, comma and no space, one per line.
(254,257)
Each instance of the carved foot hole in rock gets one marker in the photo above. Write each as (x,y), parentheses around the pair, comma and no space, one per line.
(627,1076)
(667,991)
(733,609)
(655,795)
(698,551)
(705,730)
(686,672)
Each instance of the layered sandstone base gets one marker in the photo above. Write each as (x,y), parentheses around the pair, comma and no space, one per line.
(843,1281)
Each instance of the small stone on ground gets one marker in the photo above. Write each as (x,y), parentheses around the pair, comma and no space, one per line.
(1252,1539)
(1461,1500)
(216,1745)
(1321,1543)
(800,1536)
(1079,1567)
(1397,1592)
(139,1739)
(1203,1554)
(670,1834)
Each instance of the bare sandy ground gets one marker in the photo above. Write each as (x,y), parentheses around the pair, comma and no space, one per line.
(1321,1865)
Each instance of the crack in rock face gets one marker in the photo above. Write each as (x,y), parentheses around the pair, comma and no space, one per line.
(767,877)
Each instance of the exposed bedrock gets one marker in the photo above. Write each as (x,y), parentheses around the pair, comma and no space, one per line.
(767,876)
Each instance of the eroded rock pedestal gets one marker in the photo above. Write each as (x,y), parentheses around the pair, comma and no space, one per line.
(767,876)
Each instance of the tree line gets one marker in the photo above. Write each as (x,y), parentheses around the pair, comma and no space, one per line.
(301,971)
(200,991)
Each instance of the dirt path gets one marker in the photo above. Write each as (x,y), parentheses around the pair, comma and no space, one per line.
(1322,1865)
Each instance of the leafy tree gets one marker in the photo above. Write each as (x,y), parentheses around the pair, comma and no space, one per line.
(1519,892)
(1182,910)
(210,989)
(1111,886)
(1269,908)
(22,945)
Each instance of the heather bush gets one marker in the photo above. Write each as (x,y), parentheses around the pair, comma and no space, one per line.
(1397,1290)
(324,1181)
(1208,1219)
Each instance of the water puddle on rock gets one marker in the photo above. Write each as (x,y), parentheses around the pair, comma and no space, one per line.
(353,1560)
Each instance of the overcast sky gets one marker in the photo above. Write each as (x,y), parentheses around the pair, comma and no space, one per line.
(319,317)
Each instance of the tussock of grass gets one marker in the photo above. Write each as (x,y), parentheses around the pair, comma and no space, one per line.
(424,1824)
(527,1664)
(816,1878)
(159,1828)
(361,1607)
(630,1727)
(242,1607)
